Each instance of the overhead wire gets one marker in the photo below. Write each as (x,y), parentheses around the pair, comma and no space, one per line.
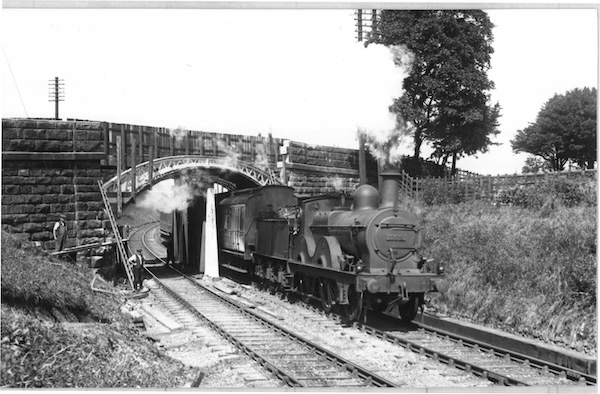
(15,81)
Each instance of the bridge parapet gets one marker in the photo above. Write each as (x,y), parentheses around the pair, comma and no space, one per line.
(145,143)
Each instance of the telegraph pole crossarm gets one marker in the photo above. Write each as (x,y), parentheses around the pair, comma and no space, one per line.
(57,93)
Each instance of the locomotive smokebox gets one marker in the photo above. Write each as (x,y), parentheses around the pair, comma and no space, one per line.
(389,188)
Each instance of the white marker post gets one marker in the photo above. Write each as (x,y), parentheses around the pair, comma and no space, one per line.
(210,253)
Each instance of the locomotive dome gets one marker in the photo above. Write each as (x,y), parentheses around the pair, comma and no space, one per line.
(366,197)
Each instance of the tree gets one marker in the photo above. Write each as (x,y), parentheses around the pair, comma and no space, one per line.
(564,130)
(534,165)
(446,97)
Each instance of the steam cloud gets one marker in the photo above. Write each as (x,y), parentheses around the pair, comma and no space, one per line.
(387,139)
(179,132)
(168,196)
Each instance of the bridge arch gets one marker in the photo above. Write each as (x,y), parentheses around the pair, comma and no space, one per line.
(147,173)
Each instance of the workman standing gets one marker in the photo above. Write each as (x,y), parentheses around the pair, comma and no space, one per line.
(60,233)
(136,262)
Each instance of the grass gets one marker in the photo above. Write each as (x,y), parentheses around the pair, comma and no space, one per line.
(106,351)
(527,271)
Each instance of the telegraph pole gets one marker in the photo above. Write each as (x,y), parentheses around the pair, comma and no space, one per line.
(57,93)
(366,23)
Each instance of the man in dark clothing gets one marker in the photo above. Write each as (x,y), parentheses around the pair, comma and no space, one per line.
(137,264)
(60,234)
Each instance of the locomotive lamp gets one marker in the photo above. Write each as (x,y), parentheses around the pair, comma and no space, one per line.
(360,267)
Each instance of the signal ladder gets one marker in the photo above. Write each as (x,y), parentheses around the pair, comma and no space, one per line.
(113,223)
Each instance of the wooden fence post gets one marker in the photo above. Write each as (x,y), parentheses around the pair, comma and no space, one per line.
(133,165)
(150,167)
(119,191)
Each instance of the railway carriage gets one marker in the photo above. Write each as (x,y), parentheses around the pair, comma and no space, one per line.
(238,216)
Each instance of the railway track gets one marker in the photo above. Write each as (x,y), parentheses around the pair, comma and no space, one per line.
(291,358)
(471,357)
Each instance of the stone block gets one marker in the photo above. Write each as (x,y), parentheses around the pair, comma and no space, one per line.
(59,134)
(34,134)
(42,208)
(80,197)
(67,189)
(95,206)
(88,135)
(9,189)
(35,189)
(92,172)
(25,180)
(25,208)
(64,208)
(50,199)
(20,199)
(18,145)
(25,189)
(79,180)
(18,218)
(89,215)
(51,146)
(90,223)
(61,180)
(12,133)
(87,188)
(65,198)
(89,146)
(64,124)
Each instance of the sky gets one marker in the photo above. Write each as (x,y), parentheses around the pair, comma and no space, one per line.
(298,74)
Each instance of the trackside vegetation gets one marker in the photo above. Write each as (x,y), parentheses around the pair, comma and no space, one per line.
(95,346)
(525,263)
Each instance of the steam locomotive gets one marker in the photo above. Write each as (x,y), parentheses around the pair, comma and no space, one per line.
(355,253)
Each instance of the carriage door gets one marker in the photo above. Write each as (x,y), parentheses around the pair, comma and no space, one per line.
(237,226)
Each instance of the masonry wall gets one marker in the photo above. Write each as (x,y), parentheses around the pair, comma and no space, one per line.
(51,168)
(317,169)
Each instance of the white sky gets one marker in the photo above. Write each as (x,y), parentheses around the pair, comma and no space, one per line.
(299,74)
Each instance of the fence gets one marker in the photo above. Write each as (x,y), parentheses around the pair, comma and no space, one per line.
(480,187)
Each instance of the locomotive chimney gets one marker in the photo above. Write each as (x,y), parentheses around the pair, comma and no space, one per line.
(389,188)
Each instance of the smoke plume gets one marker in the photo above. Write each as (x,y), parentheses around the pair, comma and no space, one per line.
(386,136)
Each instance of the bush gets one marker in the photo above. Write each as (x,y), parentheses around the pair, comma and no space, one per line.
(515,269)
(437,193)
(556,190)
